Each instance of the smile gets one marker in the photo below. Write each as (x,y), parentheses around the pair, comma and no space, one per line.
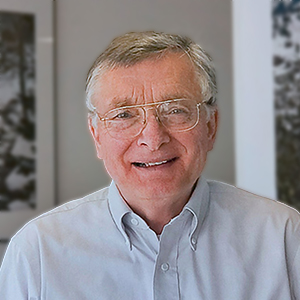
(153,164)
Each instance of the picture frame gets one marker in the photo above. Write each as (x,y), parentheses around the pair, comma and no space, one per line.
(12,220)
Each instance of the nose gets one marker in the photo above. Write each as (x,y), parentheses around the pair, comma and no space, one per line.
(154,134)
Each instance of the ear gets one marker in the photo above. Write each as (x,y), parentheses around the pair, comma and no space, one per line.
(95,134)
(212,126)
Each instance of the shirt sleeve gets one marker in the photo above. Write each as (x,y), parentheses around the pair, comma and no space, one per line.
(19,275)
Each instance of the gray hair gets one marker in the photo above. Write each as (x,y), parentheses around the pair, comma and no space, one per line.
(134,47)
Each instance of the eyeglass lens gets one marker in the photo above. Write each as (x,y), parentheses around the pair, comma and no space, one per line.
(129,121)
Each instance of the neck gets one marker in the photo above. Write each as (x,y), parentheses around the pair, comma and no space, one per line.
(158,211)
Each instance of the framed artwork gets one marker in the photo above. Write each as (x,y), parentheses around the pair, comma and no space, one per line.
(286,71)
(267,98)
(26,112)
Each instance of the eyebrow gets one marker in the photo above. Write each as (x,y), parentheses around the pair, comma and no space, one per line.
(117,102)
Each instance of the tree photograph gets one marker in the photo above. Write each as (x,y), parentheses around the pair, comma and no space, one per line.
(17,112)
(286,66)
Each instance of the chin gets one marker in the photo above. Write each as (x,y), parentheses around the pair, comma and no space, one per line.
(161,190)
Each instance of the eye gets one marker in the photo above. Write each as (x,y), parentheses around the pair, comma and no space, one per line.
(177,111)
(123,114)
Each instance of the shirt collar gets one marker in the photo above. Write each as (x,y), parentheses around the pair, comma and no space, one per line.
(197,206)
(118,209)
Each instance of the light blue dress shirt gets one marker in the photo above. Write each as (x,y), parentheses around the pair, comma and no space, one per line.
(226,244)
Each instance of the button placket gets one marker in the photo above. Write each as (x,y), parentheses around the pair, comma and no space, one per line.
(166,275)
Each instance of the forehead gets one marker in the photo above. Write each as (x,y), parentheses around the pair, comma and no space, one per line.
(171,76)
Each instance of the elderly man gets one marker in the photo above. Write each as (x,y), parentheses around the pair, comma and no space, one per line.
(160,231)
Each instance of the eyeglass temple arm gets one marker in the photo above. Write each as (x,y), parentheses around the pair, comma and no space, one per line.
(94,111)
(204,102)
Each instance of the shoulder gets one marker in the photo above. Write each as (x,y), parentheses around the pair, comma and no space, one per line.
(97,198)
(239,201)
(255,224)
(65,217)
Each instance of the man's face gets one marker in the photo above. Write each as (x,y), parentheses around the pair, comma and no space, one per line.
(183,153)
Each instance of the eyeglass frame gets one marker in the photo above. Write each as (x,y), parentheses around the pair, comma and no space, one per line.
(155,104)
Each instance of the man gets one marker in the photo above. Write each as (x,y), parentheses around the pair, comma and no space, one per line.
(160,231)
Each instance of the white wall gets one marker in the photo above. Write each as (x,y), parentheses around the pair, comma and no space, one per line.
(83,30)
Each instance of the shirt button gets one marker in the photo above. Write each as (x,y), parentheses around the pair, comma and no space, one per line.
(134,222)
(194,241)
(165,267)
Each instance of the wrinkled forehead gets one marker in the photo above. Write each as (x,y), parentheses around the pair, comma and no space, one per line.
(170,77)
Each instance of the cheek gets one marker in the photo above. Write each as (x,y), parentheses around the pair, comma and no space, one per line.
(197,147)
(111,160)
(114,153)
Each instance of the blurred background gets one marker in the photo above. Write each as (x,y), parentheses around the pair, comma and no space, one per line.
(255,47)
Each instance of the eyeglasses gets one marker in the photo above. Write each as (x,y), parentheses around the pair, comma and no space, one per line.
(176,115)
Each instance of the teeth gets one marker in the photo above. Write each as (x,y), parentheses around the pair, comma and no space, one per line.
(156,163)
(146,165)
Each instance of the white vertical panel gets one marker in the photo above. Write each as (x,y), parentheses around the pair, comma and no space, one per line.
(253,95)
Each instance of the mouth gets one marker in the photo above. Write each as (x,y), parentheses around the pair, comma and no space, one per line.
(153,164)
